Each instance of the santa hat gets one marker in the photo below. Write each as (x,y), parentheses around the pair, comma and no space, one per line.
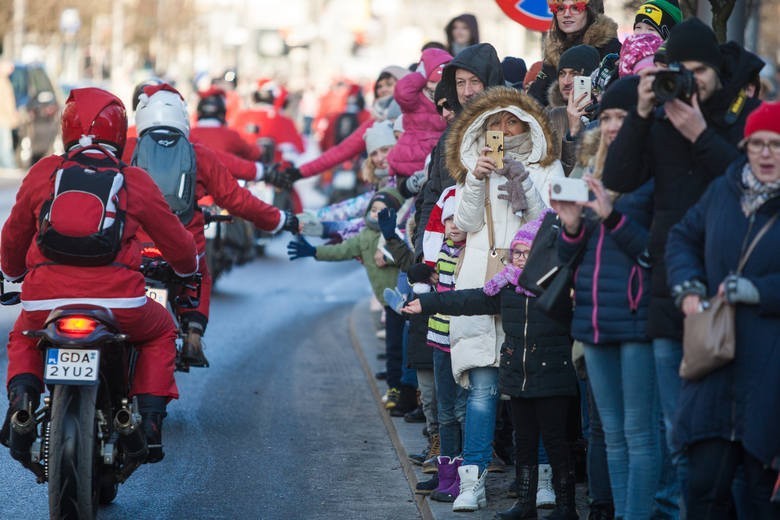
(433,236)
(447,205)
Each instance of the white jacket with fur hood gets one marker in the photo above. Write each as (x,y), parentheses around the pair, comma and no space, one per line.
(476,340)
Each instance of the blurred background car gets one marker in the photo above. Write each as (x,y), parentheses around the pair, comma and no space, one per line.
(39,109)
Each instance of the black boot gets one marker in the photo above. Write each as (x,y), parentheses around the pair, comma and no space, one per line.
(601,512)
(152,410)
(24,393)
(406,402)
(564,484)
(192,350)
(525,505)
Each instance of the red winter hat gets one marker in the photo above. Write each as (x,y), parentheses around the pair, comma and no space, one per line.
(765,117)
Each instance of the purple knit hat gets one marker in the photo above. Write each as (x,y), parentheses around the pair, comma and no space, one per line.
(527,232)
(637,53)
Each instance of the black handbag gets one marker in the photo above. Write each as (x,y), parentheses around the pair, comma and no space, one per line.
(543,261)
(546,276)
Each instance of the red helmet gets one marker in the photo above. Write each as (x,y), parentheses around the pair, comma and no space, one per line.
(93,115)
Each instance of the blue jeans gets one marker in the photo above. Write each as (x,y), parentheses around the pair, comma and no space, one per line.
(668,354)
(622,377)
(408,375)
(481,407)
(599,488)
(450,402)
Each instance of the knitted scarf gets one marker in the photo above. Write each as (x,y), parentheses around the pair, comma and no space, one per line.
(507,276)
(755,193)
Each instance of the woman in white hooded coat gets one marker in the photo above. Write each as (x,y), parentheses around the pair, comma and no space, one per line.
(517,194)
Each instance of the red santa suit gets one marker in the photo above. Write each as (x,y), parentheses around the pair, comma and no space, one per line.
(118,286)
(212,133)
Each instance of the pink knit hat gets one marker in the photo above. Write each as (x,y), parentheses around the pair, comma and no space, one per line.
(637,53)
(434,61)
(527,232)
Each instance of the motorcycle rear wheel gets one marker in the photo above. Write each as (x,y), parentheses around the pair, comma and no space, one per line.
(73,484)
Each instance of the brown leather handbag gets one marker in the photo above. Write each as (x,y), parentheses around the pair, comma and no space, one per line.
(709,336)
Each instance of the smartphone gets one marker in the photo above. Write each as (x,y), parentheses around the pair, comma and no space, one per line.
(494,139)
(582,86)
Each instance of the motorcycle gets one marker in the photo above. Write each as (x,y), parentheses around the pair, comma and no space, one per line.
(87,438)
(229,241)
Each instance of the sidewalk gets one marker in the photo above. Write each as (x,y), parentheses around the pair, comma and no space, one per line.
(408,439)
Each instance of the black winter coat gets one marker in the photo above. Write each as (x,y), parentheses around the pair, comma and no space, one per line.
(536,355)
(653,147)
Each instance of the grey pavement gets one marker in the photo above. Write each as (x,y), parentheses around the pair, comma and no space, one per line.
(408,439)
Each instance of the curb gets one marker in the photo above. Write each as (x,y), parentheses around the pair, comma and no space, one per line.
(422,504)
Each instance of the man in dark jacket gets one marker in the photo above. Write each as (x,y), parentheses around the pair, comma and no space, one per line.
(473,70)
(684,145)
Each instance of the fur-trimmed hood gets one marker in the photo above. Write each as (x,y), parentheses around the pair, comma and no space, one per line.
(589,146)
(466,136)
(554,96)
(601,32)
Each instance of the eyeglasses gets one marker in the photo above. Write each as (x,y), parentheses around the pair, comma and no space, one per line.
(519,253)
(577,7)
(757,146)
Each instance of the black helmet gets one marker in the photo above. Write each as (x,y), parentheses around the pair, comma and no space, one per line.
(212,106)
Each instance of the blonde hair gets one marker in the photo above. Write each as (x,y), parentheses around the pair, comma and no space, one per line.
(496,118)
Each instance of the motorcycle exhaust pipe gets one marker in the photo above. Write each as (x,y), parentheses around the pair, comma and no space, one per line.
(129,430)
(133,440)
(22,436)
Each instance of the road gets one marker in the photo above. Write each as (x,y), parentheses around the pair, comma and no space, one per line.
(283,424)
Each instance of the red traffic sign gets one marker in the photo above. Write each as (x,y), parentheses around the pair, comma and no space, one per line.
(532,14)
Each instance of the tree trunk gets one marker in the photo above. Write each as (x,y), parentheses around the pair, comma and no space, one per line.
(721,10)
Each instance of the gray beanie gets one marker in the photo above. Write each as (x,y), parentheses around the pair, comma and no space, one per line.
(378,135)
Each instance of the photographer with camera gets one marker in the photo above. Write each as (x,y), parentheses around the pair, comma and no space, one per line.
(683,132)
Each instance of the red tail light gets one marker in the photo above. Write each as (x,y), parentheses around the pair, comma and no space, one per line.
(151,252)
(76,326)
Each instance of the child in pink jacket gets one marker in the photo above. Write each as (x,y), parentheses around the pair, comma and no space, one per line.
(422,123)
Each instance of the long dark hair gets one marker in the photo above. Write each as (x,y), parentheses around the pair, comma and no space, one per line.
(570,40)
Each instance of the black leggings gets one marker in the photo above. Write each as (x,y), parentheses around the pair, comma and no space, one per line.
(547,416)
(712,465)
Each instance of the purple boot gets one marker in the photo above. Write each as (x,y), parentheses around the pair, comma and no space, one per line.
(449,481)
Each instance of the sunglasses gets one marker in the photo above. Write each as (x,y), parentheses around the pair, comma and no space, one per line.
(442,105)
(577,7)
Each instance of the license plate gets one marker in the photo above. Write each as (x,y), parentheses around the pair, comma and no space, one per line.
(158,294)
(71,366)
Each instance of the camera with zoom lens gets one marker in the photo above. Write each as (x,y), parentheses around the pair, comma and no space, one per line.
(675,82)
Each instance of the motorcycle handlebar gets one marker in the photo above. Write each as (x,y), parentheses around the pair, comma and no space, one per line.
(210,217)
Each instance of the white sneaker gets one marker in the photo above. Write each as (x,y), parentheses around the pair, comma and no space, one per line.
(545,495)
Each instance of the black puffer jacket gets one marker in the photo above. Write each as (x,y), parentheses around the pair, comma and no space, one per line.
(652,147)
(536,356)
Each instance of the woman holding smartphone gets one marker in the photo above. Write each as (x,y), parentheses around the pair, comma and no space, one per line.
(492,204)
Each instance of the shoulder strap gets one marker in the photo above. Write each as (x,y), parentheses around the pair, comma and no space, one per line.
(754,242)
(489,215)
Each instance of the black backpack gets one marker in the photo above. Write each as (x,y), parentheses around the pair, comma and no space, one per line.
(170,159)
(83,221)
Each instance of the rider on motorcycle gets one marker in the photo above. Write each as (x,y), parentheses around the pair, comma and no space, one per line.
(162,106)
(94,129)
(212,130)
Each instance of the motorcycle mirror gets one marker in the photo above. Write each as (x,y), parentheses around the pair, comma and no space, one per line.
(10,298)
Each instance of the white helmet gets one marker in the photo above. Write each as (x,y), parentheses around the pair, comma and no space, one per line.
(163,108)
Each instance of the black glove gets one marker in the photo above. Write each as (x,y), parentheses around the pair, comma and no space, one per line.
(283,179)
(419,273)
(300,248)
(291,223)
(387,221)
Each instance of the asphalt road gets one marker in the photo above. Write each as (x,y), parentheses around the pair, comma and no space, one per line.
(282,426)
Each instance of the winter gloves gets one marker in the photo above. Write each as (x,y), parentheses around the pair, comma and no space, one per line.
(512,189)
(740,290)
(283,179)
(416,181)
(291,223)
(300,248)
(387,221)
